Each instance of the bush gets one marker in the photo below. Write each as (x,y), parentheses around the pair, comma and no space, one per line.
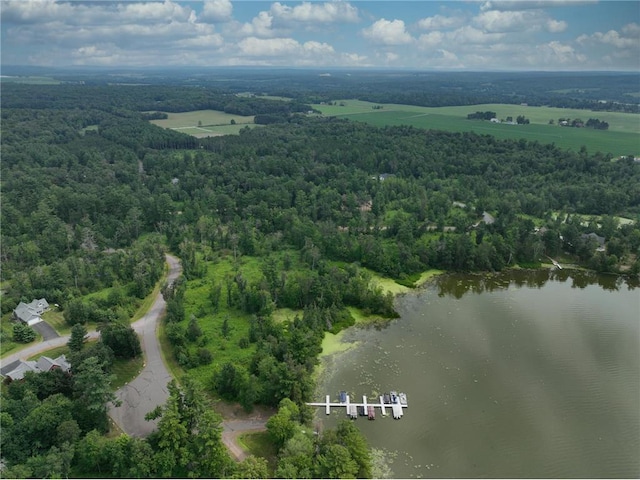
(23,333)
(204,357)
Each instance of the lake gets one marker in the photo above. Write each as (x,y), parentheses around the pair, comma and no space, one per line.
(516,374)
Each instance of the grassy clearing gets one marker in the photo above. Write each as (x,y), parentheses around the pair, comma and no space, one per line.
(126,370)
(168,358)
(52,353)
(201,118)
(55,318)
(620,139)
(197,303)
(31,80)
(260,444)
(285,314)
(217,130)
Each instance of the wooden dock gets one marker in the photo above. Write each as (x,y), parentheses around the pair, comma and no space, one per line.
(351,408)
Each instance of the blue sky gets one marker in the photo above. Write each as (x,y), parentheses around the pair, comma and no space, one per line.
(425,35)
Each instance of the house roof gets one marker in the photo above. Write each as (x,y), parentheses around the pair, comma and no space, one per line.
(29,311)
(23,367)
(43,364)
(488,218)
(24,312)
(593,236)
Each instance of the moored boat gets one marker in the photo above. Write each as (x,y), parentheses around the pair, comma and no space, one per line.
(403,398)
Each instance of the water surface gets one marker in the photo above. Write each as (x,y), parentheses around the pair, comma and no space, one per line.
(521,374)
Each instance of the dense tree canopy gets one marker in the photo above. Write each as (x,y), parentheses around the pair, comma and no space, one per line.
(93,195)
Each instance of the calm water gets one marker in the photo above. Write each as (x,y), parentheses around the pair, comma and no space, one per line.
(525,374)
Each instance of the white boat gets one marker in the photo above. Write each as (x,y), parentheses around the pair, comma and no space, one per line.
(403,398)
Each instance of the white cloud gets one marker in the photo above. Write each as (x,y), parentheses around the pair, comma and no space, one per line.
(19,11)
(260,47)
(438,22)
(153,12)
(510,5)
(307,12)
(216,11)
(470,35)
(385,32)
(270,47)
(558,55)
(509,21)
(632,30)
(555,26)
(628,39)
(260,26)
(431,39)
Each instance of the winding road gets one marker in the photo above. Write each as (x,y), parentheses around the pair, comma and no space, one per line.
(149,388)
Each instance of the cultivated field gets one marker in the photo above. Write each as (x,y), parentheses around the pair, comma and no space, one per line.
(30,80)
(205,123)
(622,137)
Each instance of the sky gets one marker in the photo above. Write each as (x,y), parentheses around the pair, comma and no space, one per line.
(422,35)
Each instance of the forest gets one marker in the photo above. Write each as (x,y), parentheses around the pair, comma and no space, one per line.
(298,215)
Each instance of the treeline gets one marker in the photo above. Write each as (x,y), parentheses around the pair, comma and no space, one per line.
(597,124)
(149,98)
(578,123)
(481,115)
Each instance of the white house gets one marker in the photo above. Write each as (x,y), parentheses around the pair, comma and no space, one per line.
(30,313)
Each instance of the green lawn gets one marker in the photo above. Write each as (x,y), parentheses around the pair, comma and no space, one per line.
(206,123)
(124,370)
(622,138)
(260,444)
(201,118)
(55,318)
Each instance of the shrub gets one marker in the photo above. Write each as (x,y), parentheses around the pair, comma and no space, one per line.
(23,333)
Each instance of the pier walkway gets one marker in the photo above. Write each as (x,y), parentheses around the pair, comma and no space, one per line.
(397,406)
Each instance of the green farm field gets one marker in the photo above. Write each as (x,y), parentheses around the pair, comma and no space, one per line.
(622,138)
(30,80)
(200,121)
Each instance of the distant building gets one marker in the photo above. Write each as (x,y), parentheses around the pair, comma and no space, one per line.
(31,313)
(595,237)
(488,218)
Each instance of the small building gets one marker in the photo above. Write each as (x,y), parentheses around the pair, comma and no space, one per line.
(31,313)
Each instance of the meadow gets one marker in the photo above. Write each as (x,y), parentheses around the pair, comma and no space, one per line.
(30,80)
(206,123)
(622,137)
